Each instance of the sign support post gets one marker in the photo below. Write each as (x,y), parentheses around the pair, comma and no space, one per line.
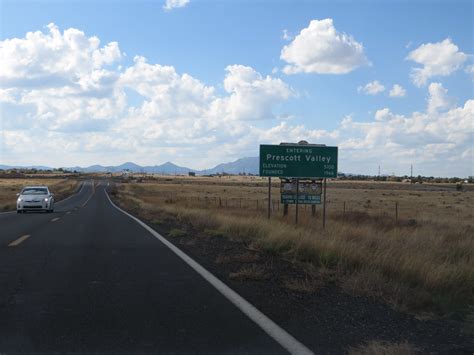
(324,205)
(269,194)
(297,199)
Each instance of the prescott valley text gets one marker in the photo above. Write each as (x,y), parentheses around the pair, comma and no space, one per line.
(297,158)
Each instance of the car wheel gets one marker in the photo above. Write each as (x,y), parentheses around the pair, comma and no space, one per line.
(18,211)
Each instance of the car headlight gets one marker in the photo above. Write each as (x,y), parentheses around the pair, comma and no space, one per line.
(20,199)
(46,199)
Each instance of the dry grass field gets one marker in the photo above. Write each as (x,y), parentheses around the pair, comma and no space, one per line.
(423,261)
(10,187)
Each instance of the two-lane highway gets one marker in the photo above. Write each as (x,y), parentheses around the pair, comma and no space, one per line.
(90,278)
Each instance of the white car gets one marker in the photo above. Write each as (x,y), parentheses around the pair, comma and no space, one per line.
(35,198)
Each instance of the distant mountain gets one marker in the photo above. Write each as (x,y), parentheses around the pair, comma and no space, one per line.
(37,167)
(126,166)
(167,168)
(244,165)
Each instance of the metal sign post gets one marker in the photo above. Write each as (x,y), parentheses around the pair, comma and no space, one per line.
(269,194)
(297,199)
(324,205)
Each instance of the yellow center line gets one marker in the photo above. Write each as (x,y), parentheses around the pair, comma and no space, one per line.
(55,219)
(19,240)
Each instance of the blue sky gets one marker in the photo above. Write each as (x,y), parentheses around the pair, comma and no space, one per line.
(203,38)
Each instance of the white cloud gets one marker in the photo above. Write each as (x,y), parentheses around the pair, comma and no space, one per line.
(437,59)
(470,70)
(438,98)
(437,142)
(173,4)
(251,96)
(62,79)
(286,36)
(372,88)
(321,49)
(383,114)
(397,91)
(54,59)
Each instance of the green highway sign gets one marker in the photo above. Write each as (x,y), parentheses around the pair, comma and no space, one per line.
(298,160)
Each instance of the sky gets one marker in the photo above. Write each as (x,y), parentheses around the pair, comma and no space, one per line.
(201,82)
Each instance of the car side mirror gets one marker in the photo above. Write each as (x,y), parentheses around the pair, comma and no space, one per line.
(18,194)
(51,194)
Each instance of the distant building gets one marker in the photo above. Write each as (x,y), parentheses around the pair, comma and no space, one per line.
(191,173)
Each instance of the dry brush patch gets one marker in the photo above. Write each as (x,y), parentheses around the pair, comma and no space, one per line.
(384,348)
(252,272)
(422,266)
(240,258)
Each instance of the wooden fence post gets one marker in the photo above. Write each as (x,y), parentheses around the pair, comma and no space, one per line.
(396,212)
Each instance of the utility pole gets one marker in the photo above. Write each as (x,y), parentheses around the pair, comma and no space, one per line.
(411,174)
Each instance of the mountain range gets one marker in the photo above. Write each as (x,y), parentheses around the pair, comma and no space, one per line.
(244,165)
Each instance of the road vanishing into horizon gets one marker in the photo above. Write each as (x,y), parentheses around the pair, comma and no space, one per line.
(90,278)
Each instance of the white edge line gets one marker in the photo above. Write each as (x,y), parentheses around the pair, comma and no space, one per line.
(271,328)
(64,199)
(7,212)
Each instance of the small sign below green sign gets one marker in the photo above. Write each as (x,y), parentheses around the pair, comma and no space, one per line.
(290,199)
(309,192)
(298,160)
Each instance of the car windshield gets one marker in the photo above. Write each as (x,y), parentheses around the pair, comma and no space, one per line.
(34,191)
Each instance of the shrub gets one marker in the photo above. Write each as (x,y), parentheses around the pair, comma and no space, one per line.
(177,233)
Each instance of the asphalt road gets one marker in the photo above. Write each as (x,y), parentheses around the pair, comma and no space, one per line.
(89,278)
